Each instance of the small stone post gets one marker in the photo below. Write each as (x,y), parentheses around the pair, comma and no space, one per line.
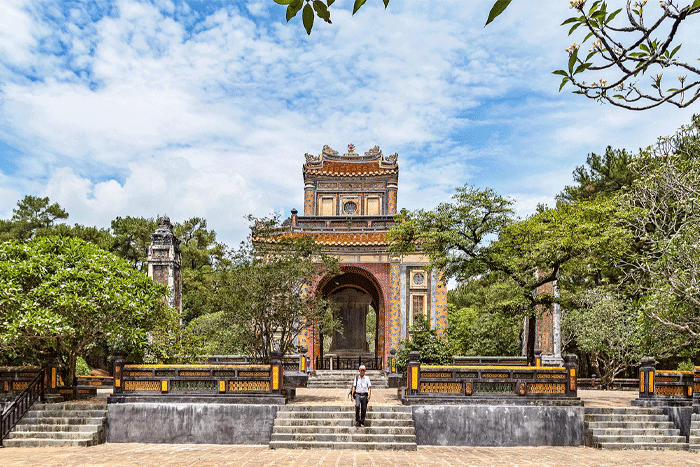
(571,365)
(52,375)
(413,373)
(646,378)
(276,372)
(392,361)
(538,358)
(119,360)
(302,358)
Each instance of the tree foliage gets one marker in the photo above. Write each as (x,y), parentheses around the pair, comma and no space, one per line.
(484,316)
(602,175)
(609,327)
(433,349)
(263,294)
(60,295)
(316,8)
(664,217)
(621,54)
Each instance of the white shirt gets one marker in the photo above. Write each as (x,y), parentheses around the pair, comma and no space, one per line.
(362,384)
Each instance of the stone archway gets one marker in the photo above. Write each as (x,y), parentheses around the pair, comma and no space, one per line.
(354,291)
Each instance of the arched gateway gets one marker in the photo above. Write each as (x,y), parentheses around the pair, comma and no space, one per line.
(349,204)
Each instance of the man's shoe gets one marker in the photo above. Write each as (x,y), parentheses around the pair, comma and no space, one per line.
(362,425)
(357,423)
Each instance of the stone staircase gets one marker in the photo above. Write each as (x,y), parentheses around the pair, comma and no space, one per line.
(60,424)
(631,428)
(344,378)
(332,427)
(694,438)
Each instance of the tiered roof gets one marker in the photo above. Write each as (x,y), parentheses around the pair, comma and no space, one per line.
(331,163)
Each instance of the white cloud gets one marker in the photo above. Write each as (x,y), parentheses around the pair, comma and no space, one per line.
(162,107)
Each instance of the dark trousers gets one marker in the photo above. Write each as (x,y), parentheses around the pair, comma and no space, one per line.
(360,407)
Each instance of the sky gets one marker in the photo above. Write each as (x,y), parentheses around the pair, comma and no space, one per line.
(206,108)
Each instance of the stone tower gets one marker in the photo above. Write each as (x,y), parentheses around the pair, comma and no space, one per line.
(349,205)
(164,262)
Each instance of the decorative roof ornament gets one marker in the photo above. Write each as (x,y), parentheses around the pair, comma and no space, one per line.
(311,158)
(328,151)
(351,148)
(391,159)
(374,153)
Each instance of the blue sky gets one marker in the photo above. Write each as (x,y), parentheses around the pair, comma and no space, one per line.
(199,108)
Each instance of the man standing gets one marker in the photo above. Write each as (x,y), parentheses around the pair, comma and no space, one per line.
(362,392)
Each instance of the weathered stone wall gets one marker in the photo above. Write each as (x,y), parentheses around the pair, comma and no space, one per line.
(498,425)
(190,423)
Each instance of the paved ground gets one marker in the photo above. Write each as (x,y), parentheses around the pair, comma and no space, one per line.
(202,455)
(143,455)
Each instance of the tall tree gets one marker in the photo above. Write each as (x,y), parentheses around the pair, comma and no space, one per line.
(33,215)
(664,217)
(604,175)
(263,294)
(60,295)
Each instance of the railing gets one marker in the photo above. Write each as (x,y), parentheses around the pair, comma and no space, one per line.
(290,362)
(500,361)
(347,363)
(668,385)
(491,380)
(20,406)
(198,379)
(15,379)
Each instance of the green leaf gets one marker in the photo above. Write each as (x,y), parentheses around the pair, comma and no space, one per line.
(497,8)
(357,5)
(563,82)
(571,20)
(573,28)
(322,11)
(696,4)
(588,36)
(294,8)
(307,17)
(612,15)
(386,3)
(330,2)
(283,2)
(676,49)
(619,96)
(560,72)
(582,67)
(644,47)
(572,60)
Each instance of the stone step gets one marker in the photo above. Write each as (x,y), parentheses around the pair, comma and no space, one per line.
(343,438)
(56,424)
(40,443)
(343,415)
(28,420)
(66,413)
(635,432)
(75,428)
(349,407)
(644,446)
(641,439)
(53,435)
(343,445)
(631,425)
(69,406)
(624,418)
(342,422)
(624,410)
(348,422)
(348,429)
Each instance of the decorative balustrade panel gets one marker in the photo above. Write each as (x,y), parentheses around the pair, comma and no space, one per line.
(488,380)
(199,379)
(489,361)
(347,363)
(16,379)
